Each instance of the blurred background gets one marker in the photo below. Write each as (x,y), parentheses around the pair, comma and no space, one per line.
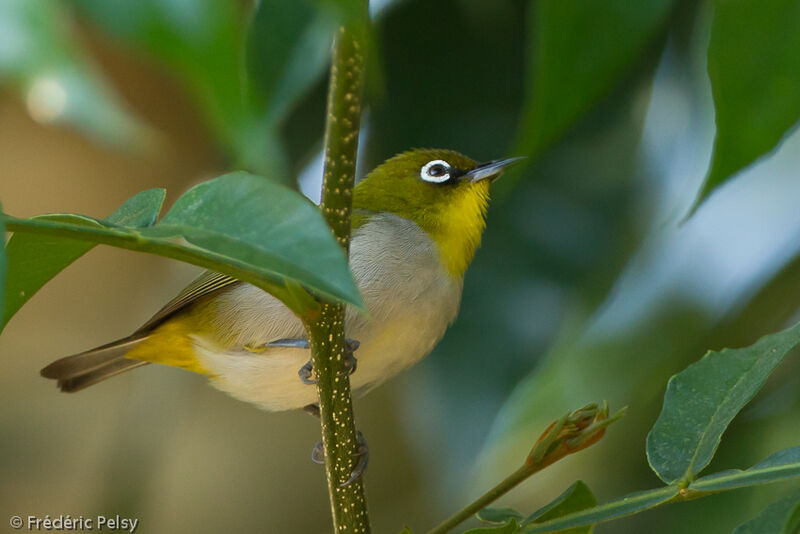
(591,282)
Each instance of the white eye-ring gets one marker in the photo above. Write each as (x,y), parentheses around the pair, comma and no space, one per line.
(436,171)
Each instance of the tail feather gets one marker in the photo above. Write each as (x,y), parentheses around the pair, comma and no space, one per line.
(79,371)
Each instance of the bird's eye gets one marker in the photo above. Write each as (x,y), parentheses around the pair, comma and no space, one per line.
(436,171)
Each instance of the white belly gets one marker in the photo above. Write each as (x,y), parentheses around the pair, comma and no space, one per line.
(410,296)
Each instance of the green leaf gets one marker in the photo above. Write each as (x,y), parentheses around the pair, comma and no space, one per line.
(779,466)
(755,80)
(289,47)
(579,52)
(41,58)
(780,517)
(510,526)
(628,505)
(576,498)
(262,223)
(240,225)
(498,515)
(35,259)
(701,401)
(139,211)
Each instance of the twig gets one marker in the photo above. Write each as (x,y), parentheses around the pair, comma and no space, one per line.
(572,433)
(326,331)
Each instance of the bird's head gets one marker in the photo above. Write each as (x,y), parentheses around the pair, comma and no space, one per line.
(445,193)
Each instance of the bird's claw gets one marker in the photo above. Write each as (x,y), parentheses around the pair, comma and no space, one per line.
(305,373)
(318,457)
(363,459)
(318,454)
(350,363)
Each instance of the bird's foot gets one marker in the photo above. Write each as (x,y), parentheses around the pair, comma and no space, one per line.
(318,454)
(350,363)
(362,452)
(306,372)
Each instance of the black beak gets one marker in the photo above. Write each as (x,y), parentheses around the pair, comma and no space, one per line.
(492,169)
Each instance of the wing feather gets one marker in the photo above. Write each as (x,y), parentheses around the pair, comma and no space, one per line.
(207,283)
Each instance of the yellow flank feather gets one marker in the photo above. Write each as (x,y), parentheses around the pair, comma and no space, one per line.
(171,343)
(461,224)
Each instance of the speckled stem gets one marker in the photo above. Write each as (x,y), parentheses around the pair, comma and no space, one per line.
(326,331)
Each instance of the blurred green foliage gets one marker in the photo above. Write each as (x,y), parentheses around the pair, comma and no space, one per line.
(40,56)
(578,52)
(202,44)
(582,289)
(288,50)
(755,76)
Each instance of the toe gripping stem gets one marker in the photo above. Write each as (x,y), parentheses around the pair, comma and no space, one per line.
(318,457)
(349,364)
(305,373)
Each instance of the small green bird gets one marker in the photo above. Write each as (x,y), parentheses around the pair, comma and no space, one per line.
(417,221)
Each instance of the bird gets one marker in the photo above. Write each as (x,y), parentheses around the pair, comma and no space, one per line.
(417,221)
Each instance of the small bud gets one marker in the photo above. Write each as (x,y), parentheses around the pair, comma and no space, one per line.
(573,432)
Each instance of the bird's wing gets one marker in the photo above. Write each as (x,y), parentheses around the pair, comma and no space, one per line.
(205,284)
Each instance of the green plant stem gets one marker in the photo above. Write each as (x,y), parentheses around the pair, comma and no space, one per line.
(486,499)
(326,332)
